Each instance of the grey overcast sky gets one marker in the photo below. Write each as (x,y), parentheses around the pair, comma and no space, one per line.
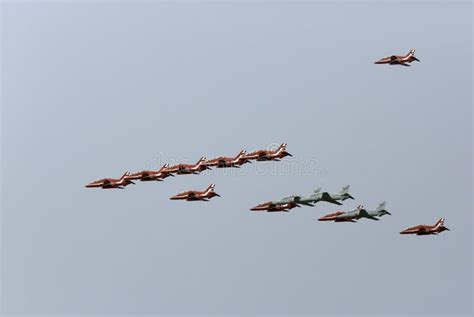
(93,88)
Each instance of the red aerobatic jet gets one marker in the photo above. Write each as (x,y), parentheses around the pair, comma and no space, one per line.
(224,161)
(268,155)
(271,207)
(109,183)
(333,217)
(399,59)
(423,230)
(193,195)
(145,176)
(188,168)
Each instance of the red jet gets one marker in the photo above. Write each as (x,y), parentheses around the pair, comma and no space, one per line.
(268,155)
(194,195)
(333,217)
(399,59)
(224,161)
(271,207)
(109,183)
(146,176)
(189,168)
(423,230)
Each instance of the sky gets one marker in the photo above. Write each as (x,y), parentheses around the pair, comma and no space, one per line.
(91,89)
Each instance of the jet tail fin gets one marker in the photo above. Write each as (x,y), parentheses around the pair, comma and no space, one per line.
(381,206)
(345,189)
(241,153)
(439,223)
(281,148)
(210,188)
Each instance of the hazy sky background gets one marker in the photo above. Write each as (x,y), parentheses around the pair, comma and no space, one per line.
(93,89)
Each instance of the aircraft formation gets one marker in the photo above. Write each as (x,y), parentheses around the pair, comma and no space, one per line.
(282,205)
(287,203)
(183,169)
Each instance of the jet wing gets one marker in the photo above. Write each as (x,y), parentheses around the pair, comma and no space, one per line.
(326,197)
(371,217)
(304,203)
(193,196)
(422,231)
(107,184)
(365,214)
(343,217)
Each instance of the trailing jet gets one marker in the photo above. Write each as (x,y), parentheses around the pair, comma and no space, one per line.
(399,59)
(110,183)
(356,214)
(193,195)
(325,196)
(224,161)
(272,207)
(268,155)
(188,168)
(145,176)
(423,230)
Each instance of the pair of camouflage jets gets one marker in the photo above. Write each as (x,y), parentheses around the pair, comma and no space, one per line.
(293,201)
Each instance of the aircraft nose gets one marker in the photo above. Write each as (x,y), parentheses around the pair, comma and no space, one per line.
(350,197)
